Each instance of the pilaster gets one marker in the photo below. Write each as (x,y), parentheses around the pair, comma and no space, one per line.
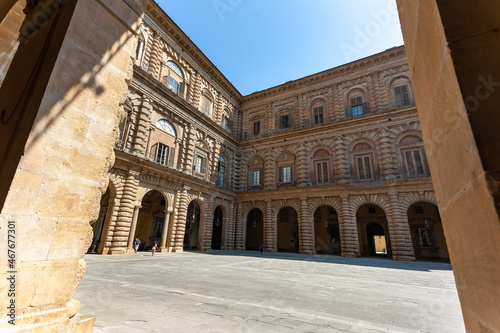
(306,233)
(240,225)
(269,228)
(348,229)
(208,226)
(399,230)
(180,222)
(121,230)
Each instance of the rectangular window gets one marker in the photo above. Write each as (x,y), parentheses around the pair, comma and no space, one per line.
(173,84)
(364,168)
(285,174)
(284,121)
(161,154)
(199,163)
(402,96)
(322,172)
(357,106)
(256,177)
(318,115)
(256,127)
(414,163)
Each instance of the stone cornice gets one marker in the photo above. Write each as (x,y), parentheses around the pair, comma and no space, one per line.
(404,185)
(340,72)
(187,44)
(370,121)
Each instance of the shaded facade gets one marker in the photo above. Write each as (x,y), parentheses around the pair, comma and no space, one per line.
(332,163)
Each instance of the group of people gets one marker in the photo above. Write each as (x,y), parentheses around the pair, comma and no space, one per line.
(137,242)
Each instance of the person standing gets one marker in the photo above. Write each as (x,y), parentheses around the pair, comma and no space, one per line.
(154,248)
(136,244)
(261,247)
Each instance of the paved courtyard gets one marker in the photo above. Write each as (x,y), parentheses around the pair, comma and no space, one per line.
(270,292)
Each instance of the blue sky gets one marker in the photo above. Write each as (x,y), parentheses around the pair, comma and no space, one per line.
(258,44)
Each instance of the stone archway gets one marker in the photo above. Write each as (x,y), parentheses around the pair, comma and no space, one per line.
(288,230)
(255,229)
(150,220)
(427,232)
(373,231)
(192,232)
(326,231)
(217,228)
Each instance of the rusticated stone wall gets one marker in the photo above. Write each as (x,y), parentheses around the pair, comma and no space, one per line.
(56,187)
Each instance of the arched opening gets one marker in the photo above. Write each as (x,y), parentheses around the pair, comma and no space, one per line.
(326,231)
(150,220)
(217,229)
(255,229)
(98,225)
(192,226)
(373,231)
(288,230)
(427,232)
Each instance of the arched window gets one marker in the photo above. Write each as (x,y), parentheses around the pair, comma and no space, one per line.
(357,104)
(321,167)
(166,127)
(255,173)
(162,149)
(363,161)
(318,111)
(173,77)
(412,156)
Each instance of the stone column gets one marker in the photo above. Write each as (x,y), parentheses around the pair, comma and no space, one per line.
(52,176)
(456,79)
(164,232)
(206,244)
(240,224)
(269,228)
(173,226)
(130,244)
(399,230)
(124,219)
(348,229)
(180,222)
(306,233)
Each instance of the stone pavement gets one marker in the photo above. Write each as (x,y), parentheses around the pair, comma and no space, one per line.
(271,292)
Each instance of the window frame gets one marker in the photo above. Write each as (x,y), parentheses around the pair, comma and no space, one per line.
(256,127)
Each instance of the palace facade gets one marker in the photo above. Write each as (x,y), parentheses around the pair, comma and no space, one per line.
(333,163)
